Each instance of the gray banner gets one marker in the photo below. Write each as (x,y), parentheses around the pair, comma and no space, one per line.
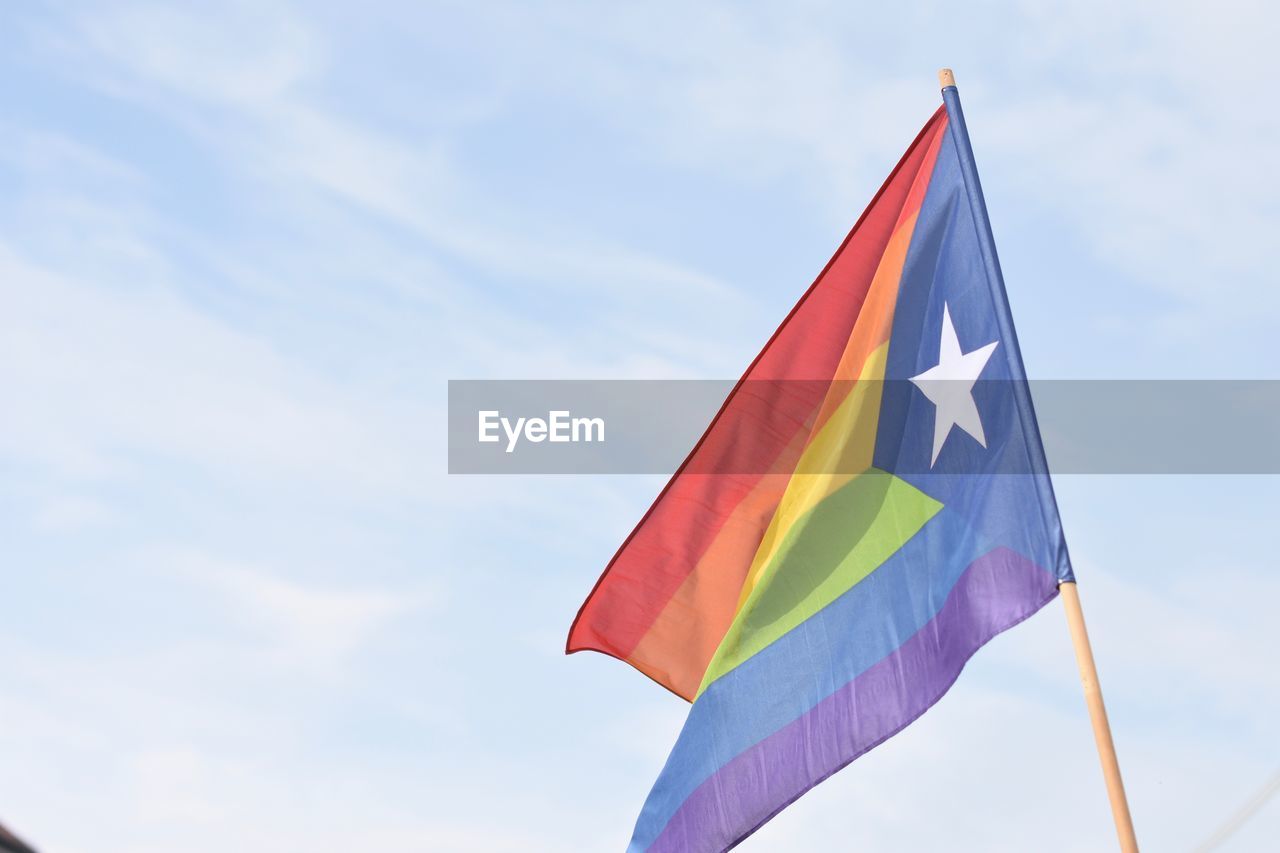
(649,426)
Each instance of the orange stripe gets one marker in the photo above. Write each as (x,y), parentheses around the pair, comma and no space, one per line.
(678,646)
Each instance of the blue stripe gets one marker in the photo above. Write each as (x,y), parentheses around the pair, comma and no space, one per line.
(813,660)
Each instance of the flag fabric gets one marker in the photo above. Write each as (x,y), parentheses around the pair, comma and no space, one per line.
(869,507)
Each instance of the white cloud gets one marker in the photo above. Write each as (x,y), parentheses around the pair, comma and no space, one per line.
(284,139)
(300,623)
(244,53)
(99,378)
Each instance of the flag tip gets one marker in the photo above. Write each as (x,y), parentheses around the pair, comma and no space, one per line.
(946,78)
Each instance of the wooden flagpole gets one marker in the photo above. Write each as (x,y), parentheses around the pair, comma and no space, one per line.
(1070,596)
(1098,716)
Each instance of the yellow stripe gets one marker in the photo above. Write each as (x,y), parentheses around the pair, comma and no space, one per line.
(840,451)
(843,446)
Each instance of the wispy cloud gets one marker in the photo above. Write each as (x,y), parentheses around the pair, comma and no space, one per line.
(297,623)
(285,140)
(101,377)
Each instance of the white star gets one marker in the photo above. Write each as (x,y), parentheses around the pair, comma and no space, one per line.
(949,386)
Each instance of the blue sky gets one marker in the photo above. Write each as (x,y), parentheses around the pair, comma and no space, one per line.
(244,245)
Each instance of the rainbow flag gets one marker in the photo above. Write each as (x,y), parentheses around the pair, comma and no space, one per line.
(869,507)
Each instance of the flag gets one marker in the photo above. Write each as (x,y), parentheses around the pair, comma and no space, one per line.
(869,507)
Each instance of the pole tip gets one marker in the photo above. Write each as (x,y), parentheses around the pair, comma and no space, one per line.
(946,78)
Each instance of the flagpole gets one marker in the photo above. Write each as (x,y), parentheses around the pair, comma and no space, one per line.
(1067,589)
(1098,716)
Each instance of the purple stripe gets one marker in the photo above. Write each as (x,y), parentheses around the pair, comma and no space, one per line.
(996,592)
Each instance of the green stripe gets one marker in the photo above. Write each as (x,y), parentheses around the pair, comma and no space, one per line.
(826,552)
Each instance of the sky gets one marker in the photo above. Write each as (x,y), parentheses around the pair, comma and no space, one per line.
(244,245)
